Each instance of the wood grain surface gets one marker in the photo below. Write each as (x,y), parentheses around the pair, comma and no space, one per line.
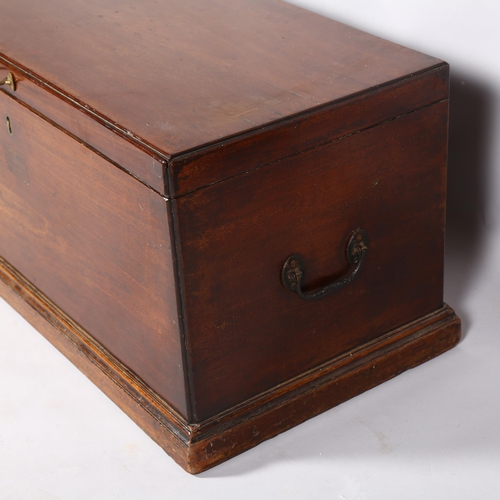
(179,74)
(245,332)
(274,142)
(159,162)
(94,240)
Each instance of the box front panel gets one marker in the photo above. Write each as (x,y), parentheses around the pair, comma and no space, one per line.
(246,332)
(95,241)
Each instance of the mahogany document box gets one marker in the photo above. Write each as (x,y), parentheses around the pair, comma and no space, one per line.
(229,214)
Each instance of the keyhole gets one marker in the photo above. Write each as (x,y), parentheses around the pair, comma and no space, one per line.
(9,125)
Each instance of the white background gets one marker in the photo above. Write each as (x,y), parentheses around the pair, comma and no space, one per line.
(431,433)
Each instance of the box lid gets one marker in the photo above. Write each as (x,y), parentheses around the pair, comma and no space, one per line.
(178,75)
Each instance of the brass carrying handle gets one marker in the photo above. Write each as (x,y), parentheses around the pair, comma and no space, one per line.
(10,81)
(294,269)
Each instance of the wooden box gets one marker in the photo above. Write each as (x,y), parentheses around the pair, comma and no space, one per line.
(228,214)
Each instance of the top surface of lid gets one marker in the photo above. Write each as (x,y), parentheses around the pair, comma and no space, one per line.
(179,74)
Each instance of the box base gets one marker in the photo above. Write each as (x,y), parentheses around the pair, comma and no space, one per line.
(198,447)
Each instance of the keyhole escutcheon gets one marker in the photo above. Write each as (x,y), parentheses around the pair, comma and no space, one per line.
(9,125)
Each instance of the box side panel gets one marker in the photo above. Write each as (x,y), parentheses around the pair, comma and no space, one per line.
(95,241)
(246,332)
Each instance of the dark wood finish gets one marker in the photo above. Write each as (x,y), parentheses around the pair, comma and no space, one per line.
(198,447)
(161,162)
(95,241)
(125,153)
(178,74)
(290,137)
(246,332)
